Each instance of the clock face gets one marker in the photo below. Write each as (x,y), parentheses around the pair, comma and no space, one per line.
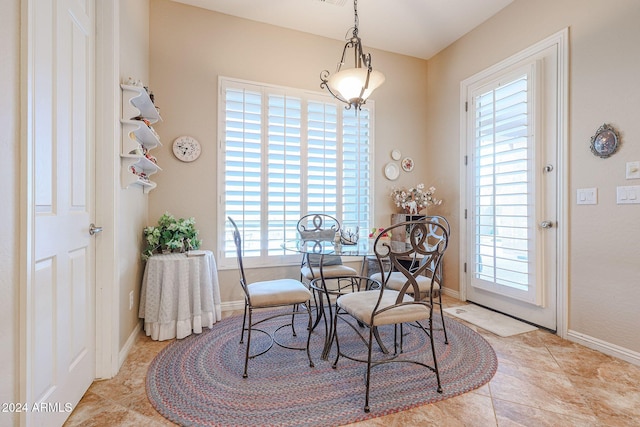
(186,148)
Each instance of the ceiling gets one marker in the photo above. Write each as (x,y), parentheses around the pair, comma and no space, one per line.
(419,28)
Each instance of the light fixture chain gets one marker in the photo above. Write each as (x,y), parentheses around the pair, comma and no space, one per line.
(356,21)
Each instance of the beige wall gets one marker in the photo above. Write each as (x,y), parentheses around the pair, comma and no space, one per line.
(132,202)
(9,208)
(604,240)
(191,47)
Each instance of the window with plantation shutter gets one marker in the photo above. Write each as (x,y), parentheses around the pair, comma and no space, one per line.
(285,153)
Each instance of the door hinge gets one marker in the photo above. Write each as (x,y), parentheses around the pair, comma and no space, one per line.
(465,267)
(466,106)
(465,214)
(466,160)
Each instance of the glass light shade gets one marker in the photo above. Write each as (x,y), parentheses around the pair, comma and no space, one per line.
(349,83)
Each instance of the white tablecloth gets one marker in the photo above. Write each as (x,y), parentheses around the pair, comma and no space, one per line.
(180,294)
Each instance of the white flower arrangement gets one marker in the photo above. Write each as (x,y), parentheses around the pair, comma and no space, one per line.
(414,199)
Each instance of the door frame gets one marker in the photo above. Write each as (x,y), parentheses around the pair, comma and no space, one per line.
(560,38)
(107,133)
(107,187)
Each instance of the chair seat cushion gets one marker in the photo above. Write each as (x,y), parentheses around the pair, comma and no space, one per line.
(278,292)
(397,280)
(360,305)
(328,271)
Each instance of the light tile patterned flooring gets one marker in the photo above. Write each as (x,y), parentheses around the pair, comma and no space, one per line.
(541,380)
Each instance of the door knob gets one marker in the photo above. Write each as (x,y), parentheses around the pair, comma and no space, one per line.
(546,224)
(93,229)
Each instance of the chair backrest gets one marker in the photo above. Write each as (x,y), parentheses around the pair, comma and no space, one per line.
(434,237)
(238,241)
(322,228)
(427,241)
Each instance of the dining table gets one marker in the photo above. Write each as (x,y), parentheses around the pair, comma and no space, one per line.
(363,248)
(180,294)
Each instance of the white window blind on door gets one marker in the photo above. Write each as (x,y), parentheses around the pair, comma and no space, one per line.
(503,187)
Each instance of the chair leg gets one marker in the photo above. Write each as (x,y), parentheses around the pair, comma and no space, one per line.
(296,307)
(433,351)
(311,364)
(246,357)
(319,301)
(335,337)
(244,323)
(366,399)
(444,327)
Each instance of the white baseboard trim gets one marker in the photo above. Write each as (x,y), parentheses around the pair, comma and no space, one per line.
(232,305)
(604,347)
(451,293)
(124,351)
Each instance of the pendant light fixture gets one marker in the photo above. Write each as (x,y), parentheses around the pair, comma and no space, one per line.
(353,85)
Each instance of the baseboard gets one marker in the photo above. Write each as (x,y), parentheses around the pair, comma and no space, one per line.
(232,305)
(451,293)
(124,352)
(604,347)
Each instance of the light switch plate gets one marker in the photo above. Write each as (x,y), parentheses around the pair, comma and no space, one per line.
(628,195)
(633,170)
(587,196)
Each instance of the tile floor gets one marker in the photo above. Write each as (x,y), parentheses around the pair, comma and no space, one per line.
(541,380)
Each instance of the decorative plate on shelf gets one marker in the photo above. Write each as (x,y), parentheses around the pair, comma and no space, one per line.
(391,171)
(407,164)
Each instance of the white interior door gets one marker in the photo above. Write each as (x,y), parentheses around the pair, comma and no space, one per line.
(512,137)
(60,295)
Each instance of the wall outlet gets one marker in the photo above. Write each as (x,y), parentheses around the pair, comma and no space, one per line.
(131,300)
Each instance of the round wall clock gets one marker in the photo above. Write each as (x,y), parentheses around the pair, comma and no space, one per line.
(186,148)
(605,142)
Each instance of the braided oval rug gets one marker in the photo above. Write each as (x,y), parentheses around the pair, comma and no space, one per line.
(197,381)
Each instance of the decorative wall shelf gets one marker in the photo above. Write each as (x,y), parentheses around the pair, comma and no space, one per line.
(138,137)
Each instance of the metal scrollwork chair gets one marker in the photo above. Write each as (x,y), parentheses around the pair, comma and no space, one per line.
(270,294)
(321,228)
(384,306)
(396,280)
(318,227)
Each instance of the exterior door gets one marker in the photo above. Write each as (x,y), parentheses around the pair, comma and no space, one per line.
(512,137)
(60,297)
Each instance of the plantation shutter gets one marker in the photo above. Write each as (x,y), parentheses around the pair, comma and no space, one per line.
(285,153)
(322,158)
(284,170)
(356,169)
(503,187)
(243,165)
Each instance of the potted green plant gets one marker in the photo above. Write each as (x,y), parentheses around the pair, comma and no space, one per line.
(171,235)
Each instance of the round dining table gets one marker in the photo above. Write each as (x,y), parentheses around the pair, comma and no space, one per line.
(363,248)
